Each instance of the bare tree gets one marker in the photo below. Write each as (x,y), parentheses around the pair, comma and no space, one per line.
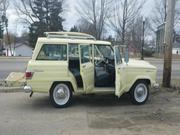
(159,13)
(95,13)
(125,12)
(24,9)
(4,6)
(85,26)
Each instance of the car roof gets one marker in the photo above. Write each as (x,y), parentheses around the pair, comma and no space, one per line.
(46,40)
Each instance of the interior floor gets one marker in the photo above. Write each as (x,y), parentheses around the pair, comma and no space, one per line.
(104,76)
(74,67)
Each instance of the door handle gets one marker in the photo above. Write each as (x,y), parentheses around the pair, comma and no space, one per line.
(84,66)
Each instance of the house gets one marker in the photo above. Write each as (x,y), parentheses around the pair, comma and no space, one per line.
(176,48)
(160,41)
(23,50)
(19,47)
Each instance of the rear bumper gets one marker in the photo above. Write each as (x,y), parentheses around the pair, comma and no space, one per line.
(27,89)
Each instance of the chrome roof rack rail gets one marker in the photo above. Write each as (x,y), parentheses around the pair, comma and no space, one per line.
(69,35)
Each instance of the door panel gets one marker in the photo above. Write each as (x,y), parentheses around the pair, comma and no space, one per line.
(86,67)
(119,71)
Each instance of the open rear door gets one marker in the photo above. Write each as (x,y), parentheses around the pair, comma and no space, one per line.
(86,67)
(119,71)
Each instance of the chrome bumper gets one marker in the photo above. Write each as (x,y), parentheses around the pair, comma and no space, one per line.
(27,89)
(155,85)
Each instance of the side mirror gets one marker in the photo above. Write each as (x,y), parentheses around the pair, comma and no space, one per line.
(126,56)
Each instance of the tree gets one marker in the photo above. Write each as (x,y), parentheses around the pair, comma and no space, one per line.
(168,38)
(159,14)
(43,15)
(95,13)
(124,13)
(86,27)
(74,29)
(134,33)
(1,30)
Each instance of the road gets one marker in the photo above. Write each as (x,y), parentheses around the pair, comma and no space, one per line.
(19,65)
(91,115)
(159,64)
(9,65)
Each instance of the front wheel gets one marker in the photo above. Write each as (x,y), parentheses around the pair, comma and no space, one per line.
(139,92)
(60,95)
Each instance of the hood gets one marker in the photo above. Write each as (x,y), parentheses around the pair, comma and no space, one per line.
(140,64)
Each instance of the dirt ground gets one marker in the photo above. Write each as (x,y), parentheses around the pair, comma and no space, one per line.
(93,115)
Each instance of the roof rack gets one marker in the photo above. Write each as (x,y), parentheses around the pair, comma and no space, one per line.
(69,35)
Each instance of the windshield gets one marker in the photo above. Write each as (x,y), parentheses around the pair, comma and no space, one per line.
(104,51)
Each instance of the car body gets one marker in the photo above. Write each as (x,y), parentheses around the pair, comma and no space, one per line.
(85,65)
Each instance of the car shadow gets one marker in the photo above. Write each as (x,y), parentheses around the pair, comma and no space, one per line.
(101,100)
(41,102)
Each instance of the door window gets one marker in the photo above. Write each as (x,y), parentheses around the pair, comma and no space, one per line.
(73,51)
(118,59)
(85,53)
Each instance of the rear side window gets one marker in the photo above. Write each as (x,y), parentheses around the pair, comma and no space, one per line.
(53,52)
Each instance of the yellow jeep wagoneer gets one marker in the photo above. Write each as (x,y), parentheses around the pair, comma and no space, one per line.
(66,63)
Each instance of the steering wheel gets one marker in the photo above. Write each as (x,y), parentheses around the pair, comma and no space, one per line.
(104,61)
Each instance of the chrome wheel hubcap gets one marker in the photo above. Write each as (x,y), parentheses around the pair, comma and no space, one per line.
(61,94)
(140,92)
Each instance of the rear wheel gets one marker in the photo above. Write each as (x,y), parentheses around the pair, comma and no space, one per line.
(60,95)
(139,92)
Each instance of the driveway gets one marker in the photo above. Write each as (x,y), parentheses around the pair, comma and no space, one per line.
(92,115)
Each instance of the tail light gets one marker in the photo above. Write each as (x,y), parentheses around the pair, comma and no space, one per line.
(28,75)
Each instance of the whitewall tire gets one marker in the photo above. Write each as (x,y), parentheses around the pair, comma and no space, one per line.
(139,92)
(60,95)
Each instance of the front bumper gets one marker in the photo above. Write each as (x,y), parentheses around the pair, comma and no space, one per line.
(27,89)
(155,85)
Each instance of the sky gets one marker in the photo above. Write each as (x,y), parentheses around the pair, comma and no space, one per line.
(71,16)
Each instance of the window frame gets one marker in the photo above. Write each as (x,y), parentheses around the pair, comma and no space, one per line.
(90,52)
(63,44)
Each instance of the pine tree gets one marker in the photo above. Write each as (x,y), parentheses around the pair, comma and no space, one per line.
(48,14)
(74,29)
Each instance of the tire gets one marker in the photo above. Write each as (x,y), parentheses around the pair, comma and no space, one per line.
(61,95)
(139,92)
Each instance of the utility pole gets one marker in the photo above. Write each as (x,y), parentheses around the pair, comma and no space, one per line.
(168,42)
(142,46)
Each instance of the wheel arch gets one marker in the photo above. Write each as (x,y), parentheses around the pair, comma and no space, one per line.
(65,82)
(147,80)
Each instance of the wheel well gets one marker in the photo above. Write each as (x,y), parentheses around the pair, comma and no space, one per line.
(146,80)
(65,82)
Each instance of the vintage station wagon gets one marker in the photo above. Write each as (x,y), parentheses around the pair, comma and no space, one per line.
(68,63)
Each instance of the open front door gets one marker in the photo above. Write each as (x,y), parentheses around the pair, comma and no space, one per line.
(120,78)
(86,67)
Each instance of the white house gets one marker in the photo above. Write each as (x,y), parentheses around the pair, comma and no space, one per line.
(19,49)
(176,48)
(23,50)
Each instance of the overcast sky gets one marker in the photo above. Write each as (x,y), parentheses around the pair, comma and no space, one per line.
(70,16)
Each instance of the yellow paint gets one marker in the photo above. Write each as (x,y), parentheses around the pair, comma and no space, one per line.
(47,72)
